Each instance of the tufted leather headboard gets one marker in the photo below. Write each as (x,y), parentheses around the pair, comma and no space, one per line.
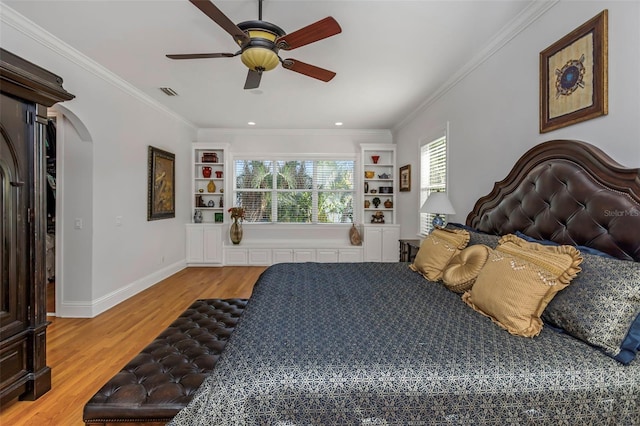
(569,192)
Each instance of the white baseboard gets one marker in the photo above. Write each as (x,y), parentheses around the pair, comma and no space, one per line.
(106,302)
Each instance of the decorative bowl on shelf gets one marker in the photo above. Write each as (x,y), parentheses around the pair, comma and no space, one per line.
(369,174)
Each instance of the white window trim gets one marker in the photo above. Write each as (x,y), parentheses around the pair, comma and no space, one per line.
(274,157)
(432,136)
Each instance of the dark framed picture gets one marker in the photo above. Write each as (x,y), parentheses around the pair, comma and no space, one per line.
(574,76)
(161,196)
(218,217)
(405,178)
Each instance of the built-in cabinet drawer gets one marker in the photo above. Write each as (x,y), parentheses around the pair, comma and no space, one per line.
(259,256)
(269,256)
(234,256)
(304,255)
(327,255)
(13,368)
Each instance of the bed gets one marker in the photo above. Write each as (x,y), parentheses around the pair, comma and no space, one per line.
(377,343)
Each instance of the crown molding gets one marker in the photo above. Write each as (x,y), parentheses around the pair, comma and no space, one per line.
(525,18)
(10,17)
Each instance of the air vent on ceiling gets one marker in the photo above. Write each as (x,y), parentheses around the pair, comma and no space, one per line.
(169,91)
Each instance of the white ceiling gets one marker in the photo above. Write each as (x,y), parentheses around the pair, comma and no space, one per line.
(390,57)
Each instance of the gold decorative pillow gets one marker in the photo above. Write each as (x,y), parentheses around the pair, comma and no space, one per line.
(437,250)
(519,280)
(461,272)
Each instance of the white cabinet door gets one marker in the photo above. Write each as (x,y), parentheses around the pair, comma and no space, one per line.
(212,244)
(372,242)
(195,244)
(381,243)
(204,244)
(390,245)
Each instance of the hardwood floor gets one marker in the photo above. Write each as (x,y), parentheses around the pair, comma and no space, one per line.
(85,353)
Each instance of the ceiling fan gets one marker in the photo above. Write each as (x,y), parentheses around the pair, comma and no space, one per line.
(260,41)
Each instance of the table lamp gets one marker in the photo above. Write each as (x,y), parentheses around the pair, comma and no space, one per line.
(437,203)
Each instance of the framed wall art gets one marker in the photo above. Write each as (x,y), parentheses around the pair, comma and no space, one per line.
(573,76)
(405,178)
(161,196)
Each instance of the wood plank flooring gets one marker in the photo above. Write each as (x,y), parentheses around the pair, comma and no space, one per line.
(85,353)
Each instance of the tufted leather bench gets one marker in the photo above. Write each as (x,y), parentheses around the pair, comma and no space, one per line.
(162,379)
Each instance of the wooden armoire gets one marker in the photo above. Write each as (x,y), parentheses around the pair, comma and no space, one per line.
(26,91)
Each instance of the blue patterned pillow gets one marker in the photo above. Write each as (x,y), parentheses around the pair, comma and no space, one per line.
(601,306)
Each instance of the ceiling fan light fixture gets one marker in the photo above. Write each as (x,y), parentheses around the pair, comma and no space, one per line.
(260,41)
(260,59)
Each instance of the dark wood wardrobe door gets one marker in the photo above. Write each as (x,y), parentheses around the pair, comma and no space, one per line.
(16,140)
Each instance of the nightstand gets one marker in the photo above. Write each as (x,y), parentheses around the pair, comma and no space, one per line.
(409,249)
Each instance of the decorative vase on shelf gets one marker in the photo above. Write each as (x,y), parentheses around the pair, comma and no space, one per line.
(197,217)
(375,159)
(211,186)
(206,172)
(235,232)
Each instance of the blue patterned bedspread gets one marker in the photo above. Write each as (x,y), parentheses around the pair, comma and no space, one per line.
(377,344)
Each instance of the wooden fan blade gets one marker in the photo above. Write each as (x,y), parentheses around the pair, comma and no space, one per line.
(201,55)
(221,19)
(324,28)
(308,70)
(253,79)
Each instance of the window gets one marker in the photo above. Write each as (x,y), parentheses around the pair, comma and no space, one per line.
(433,175)
(295,191)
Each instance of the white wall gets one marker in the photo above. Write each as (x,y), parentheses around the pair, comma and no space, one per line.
(493,111)
(300,141)
(106,178)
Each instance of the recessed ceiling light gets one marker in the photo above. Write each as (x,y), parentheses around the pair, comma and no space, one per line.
(251,123)
(339,123)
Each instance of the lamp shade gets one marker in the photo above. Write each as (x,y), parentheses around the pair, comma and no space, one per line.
(438,203)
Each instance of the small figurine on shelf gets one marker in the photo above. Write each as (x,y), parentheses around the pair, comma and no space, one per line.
(220,203)
(200,201)
(378,217)
(376,202)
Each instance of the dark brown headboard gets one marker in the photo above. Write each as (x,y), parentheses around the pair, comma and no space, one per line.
(569,192)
